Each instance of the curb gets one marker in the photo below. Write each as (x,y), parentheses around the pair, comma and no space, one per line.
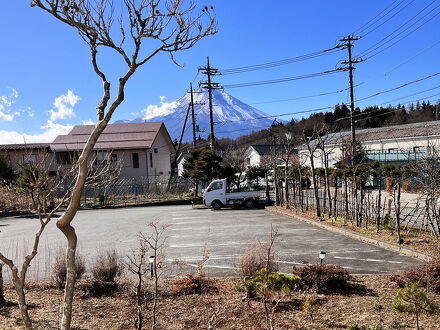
(373,241)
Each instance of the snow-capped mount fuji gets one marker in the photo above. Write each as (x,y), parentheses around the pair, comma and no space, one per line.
(233,117)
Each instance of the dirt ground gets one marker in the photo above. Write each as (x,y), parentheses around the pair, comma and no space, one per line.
(194,311)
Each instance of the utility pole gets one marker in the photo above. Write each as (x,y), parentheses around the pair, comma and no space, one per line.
(349,44)
(210,86)
(195,127)
(192,115)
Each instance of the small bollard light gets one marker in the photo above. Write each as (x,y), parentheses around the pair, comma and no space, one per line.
(151,259)
(322,256)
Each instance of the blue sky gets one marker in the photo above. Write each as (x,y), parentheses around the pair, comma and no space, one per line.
(47,82)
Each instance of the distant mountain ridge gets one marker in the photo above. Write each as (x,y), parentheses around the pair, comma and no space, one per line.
(234,116)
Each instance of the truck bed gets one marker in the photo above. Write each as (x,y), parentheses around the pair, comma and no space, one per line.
(243,195)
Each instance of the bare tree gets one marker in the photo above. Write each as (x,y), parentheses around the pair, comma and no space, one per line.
(269,312)
(138,265)
(326,149)
(171,27)
(43,187)
(155,241)
(234,158)
(286,156)
(425,171)
(312,146)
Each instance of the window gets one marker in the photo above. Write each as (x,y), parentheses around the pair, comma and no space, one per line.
(135,160)
(63,158)
(216,186)
(114,157)
(100,158)
(29,159)
(418,149)
(393,150)
(151,160)
(155,150)
(248,161)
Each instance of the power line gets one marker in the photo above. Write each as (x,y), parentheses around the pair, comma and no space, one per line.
(413,94)
(307,96)
(374,20)
(397,29)
(412,57)
(384,41)
(373,113)
(272,116)
(280,62)
(280,80)
(398,87)
(384,49)
(388,19)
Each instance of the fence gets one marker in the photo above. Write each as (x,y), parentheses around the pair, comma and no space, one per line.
(135,191)
(370,211)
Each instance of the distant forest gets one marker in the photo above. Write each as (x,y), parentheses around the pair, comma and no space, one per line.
(339,120)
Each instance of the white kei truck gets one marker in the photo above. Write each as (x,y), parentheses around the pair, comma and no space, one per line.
(215,195)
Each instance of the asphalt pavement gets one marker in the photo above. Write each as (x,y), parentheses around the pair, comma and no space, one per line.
(224,234)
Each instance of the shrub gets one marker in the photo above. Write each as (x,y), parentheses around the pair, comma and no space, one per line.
(309,306)
(97,288)
(432,269)
(194,284)
(279,283)
(60,271)
(414,300)
(254,259)
(107,266)
(323,278)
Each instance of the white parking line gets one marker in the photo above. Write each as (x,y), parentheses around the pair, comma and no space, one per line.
(209,244)
(213,266)
(373,260)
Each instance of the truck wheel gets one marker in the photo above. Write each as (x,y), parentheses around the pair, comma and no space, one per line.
(249,203)
(216,205)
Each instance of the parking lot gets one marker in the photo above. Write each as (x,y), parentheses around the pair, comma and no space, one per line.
(224,234)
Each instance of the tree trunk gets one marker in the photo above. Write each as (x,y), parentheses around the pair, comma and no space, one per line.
(356,201)
(399,185)
(286,188)
(19,288)
(69,288)
(417,321)
(2,296)
(315,186)
(267,187)
(379,197)
(346,199)
(156,280)
(327,184)
(335,214)
(277,190)
(300,192)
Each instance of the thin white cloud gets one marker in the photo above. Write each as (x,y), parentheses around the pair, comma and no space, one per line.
(88,122)
(6,101)
(49,132)
(165,108)
(64,106)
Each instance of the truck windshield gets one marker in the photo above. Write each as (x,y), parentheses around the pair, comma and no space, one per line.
(216,186)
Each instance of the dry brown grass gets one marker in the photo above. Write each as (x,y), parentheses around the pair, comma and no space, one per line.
(193,312)
(255,258)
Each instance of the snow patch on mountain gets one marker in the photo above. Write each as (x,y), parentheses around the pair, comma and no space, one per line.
(232,117)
